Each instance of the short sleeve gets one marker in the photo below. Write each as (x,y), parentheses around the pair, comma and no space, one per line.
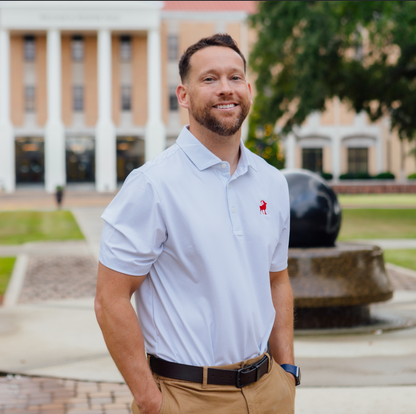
(134,229)
(280,256)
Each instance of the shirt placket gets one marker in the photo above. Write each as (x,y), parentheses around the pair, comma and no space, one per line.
(233,207)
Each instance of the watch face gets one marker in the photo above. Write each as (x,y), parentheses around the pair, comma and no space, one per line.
(298,376)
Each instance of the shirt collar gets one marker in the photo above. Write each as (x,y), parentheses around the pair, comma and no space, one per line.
(247,158)
(203,158)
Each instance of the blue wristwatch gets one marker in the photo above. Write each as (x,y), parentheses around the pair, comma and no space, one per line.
(294,370)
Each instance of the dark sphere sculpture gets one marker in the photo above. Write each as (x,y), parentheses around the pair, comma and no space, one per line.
(315,214)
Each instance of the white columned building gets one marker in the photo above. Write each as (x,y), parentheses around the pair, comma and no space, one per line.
(103,18)
(55,174)
(337,138)
(7,157)
(105,136)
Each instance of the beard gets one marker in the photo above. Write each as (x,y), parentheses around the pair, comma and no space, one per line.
(225,126)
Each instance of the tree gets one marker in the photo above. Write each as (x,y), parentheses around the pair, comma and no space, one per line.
(263,141)
(364,52)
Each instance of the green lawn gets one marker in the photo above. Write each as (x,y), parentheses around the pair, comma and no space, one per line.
(404,258)
(6,268)
(378,200)
(378,224)
(19,227)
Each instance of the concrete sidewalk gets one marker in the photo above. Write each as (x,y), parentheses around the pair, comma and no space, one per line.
(390,243)
(60,341)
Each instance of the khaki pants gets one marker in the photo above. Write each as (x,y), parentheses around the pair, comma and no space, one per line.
(273,393)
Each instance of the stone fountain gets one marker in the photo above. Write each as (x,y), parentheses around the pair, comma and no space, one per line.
(333,283)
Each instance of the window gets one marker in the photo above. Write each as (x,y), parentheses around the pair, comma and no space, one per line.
(125,48)
(312,159)
(77,46)
(125,98)
(173,47)
(173,100)
(358,160)
(78,98)
(29,98)
(29,48)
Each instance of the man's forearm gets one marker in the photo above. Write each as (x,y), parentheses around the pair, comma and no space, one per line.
(281,337)
(124,340)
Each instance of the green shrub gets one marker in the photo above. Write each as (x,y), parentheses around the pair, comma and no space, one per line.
(385,176)
(327,176)
(412,176)
(355,176)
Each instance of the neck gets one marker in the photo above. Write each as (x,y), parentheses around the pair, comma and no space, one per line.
(226,148)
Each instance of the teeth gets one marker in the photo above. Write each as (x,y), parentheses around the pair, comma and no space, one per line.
(225,106)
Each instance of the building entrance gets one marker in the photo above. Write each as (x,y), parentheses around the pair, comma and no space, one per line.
(130,155)
(30,160)
(80,159)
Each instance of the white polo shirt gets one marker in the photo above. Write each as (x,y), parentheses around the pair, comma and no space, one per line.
(208,242)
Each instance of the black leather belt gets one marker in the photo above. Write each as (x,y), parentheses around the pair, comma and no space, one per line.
(238,377)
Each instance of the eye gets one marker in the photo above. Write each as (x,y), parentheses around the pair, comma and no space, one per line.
(209,79)
(236,77)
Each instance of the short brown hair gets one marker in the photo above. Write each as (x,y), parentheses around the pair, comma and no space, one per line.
(218,39)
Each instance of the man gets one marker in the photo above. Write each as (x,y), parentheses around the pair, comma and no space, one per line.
(200,234)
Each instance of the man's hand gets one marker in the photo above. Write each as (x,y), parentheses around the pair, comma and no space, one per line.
(151,405)
(292,378)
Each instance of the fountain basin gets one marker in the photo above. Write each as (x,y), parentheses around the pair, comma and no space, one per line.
(333,286)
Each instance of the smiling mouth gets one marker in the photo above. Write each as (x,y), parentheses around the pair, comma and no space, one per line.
(226,106)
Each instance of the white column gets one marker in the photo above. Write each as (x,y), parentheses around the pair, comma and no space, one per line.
(336,141)
(336,156)
(379,152)
(7,156)
(290,151)
(387,132)
(155,140)
(105,132)
(55,165)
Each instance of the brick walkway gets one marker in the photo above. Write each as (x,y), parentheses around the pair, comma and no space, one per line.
(40,200)
(36,395)
(401,281)
(59,277)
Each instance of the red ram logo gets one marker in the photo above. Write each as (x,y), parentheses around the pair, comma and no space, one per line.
(263,205)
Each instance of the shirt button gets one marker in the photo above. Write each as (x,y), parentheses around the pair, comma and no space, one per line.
(223,166)
(229,186)
(233,210)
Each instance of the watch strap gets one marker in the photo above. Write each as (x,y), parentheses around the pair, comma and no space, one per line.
(294,370)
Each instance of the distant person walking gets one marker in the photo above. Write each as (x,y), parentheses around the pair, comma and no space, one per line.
(190,235)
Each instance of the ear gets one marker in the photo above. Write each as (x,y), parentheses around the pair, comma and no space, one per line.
(249,93)
(182,95)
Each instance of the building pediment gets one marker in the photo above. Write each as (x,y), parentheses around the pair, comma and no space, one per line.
(313,141)
(80,15)
(362,141)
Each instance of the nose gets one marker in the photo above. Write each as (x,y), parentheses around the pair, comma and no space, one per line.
(225,88)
